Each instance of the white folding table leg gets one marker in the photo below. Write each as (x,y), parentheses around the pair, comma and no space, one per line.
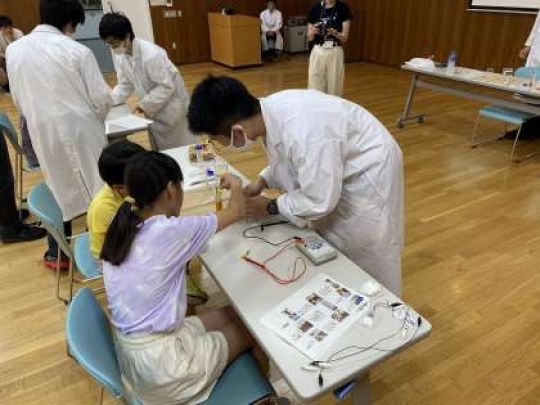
(406,116)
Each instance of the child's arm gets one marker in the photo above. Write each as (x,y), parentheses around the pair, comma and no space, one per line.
(236,209)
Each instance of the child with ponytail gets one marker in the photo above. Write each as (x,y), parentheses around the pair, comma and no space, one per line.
(166,357)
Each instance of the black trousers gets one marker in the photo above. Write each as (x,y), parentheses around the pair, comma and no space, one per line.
(8,207)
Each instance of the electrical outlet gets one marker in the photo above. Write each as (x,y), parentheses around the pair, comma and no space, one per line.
(174,45)
(179,13)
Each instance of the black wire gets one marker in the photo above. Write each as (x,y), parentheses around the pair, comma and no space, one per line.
(362,349)
(275,244)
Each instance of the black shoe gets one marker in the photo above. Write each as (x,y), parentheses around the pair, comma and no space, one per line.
(22,233)
(24,214)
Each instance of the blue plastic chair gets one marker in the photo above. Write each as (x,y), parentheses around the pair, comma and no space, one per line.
(507,115)
(43,205)
(11,135)
(90,342)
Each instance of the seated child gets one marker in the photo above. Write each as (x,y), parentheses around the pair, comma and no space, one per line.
(105,204)
(164,356)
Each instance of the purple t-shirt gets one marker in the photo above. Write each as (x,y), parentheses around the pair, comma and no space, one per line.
(147,293)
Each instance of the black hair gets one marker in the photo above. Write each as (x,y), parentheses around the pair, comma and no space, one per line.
(5,21)
(115,25)
(113,160)
(60,13)
(147,175)
(218,103)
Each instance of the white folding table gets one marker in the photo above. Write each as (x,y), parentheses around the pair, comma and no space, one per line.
(253,293)
(490,88)
(115,132)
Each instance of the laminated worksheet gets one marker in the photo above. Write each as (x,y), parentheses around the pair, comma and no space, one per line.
(313,318)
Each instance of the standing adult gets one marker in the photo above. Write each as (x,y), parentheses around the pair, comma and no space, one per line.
(328,30)
(12,229)
(145,69)
(57,83)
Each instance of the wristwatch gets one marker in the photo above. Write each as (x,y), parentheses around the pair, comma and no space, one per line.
(272,207)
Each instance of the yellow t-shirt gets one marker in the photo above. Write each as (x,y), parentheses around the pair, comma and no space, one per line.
(101,212)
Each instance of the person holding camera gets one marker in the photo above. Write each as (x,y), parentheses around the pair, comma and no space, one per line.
(328,30)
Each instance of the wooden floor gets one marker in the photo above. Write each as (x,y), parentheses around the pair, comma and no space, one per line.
(471,263)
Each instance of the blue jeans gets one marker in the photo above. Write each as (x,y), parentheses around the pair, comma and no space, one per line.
(52,253)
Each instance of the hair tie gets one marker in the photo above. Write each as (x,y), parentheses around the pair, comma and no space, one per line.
(131,201)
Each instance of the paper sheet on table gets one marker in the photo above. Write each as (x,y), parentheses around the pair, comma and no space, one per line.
(126,123)
(313,318)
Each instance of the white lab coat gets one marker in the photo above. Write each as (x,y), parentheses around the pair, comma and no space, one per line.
(272,21)
(534,42)
(161,91)
(57,85)
(343,172)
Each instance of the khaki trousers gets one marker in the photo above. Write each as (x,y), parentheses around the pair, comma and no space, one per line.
(327,70)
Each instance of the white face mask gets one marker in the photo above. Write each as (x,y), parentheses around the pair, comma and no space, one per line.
(248,143)
(121,50)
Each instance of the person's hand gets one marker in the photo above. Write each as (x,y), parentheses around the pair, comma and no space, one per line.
(230,181)
(524,53)
(254,188)
(313,30)
(333,32)
(257,207)
(138,110)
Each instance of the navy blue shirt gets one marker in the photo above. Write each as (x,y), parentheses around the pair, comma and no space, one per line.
(330,17)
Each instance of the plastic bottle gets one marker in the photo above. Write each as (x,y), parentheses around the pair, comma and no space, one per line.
(452,61)
(213,182)
(199,152)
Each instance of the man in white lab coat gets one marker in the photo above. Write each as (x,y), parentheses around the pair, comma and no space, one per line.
(271,24)
(531,50)
(56,83)
(145,69)
(341,169)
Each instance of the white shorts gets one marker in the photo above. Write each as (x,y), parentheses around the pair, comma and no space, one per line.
(181,367)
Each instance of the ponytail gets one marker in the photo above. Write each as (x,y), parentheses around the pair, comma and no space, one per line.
(120,235)
(146,176)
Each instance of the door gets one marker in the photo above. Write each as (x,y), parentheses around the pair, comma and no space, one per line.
(182,30)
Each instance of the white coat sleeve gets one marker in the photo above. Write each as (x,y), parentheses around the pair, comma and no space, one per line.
(161,72)
(279,21)
(124,88)
(97,89)
(320,176)
(264,27)
(530,40)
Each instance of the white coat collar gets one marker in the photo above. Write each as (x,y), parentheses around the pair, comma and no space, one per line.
(48,29)
(137,53)
(270,123)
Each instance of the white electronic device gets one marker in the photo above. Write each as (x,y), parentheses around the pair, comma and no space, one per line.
(317,250)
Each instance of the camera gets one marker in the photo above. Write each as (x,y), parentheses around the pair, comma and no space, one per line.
(324,26)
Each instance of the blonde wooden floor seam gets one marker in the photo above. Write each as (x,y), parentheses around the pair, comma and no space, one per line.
(470,264)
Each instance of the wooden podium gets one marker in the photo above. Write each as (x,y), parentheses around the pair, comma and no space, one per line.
(235,39)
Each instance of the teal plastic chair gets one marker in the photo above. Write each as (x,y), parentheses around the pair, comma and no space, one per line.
(508,116)
(91,344)
(43,205)
(11,135)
